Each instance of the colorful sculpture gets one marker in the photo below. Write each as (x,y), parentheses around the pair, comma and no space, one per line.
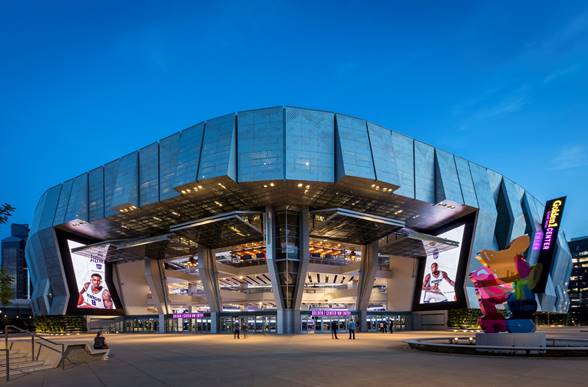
(506,277)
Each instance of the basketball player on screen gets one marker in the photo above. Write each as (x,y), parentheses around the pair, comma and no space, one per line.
(95,296)
(432,282)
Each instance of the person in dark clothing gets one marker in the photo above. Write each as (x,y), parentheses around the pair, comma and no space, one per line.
(236,330)
(351,326)
(100,341)
(334,327)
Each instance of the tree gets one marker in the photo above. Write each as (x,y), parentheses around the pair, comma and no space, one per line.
(6,210)
(6,280)
(6,292)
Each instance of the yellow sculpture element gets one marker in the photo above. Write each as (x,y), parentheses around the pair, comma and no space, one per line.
(502,262)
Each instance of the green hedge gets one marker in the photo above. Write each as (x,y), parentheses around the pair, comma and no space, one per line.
(60,324)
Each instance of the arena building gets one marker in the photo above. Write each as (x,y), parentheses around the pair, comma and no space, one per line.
(282,219)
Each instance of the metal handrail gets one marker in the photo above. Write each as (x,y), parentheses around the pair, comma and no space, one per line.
(39,342)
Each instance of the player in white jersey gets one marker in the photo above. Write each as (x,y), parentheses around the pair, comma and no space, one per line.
(94,295)
(432,284)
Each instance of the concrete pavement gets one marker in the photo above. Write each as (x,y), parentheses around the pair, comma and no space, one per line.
(304,360)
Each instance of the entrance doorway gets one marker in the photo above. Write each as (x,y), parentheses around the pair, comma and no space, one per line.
(254,323)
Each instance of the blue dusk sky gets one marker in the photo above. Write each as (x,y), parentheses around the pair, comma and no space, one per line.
(504,84)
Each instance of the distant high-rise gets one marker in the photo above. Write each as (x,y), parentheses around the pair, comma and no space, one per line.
(13,260)
(578,289)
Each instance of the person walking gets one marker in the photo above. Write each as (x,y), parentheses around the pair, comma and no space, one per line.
(351,326)
(236,330)
(334,326)
(381,326)
(391,326)
(244,329)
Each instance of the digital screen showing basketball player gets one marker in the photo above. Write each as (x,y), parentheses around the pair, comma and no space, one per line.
(438,280)
(90,276)
(433,285)
(94,295)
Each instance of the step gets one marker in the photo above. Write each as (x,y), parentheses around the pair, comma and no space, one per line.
(22,371)
(25,365)
(16,360)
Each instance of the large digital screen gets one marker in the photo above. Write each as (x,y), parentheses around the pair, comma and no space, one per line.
(548,239)
(90,278)
(439,276)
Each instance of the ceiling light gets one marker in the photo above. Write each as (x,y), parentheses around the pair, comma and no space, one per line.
(300,185)
(272,184)
(218,203)
(265,186)
(307,163)
(199,187)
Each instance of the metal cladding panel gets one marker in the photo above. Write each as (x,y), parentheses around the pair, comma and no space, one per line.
(168,153)
(96,194)
(219,149)
(149,174)
(189,155)
(77,207)
(466,182)
(495,180)
(126,189)
(45,261)
(483,237)
(62,204)
(382,153)
(110,173)
(424,172)
(354,148)
(533,224)
(561,270)
(514,196)
(260,152)
(447,182)
(404,156)
(45,210)
(310,145)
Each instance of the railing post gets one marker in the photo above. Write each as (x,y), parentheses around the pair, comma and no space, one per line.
(7,366)
(33,347)
(62,356)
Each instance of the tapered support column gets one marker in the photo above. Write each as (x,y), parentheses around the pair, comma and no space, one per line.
(367,277)
(155,277)
(209,277)
(286,234)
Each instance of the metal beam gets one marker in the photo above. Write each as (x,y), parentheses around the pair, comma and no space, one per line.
(362,216)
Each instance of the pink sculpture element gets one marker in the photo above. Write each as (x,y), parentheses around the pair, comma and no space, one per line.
(491,291)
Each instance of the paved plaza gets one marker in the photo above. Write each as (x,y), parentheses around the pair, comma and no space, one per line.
(304,360)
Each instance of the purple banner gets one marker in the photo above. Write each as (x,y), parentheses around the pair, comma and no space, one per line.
(330,312)
(187,315)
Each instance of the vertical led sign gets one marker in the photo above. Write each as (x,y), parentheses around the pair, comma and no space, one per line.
(551,224)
